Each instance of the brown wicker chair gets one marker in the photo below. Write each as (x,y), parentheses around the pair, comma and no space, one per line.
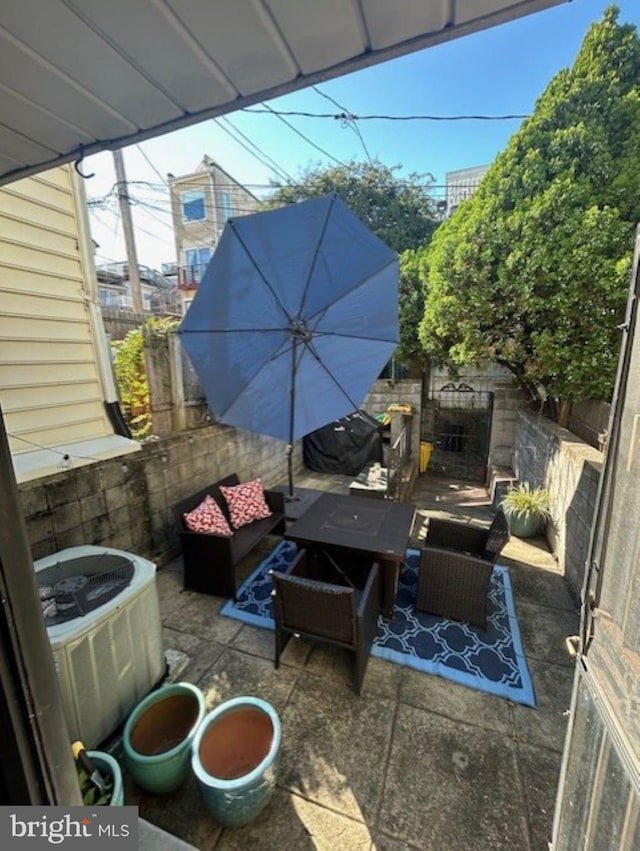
(461,537)
(454,585)
(326,612)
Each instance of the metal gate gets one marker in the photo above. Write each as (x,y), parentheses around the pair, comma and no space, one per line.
(456,421)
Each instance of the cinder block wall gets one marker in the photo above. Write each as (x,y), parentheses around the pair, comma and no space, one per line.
(550,456)
(125,502)
(404,391)
(507,401)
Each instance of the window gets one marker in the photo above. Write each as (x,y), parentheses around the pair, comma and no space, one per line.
(227,206)
(195,261)
(192,203)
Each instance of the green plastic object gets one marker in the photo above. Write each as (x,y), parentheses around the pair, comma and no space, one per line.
(107,765)
(158,736)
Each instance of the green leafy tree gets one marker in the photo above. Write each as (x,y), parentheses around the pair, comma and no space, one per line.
(411,311)
(398,210)
(533,270)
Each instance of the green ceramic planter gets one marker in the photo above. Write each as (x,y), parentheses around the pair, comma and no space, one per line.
(158,736)
(235,758)
(526,525)
(109,766)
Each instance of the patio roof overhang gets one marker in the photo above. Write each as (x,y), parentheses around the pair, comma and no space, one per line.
(80,76)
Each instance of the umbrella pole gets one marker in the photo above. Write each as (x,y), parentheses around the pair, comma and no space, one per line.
(290,471)
(292,408)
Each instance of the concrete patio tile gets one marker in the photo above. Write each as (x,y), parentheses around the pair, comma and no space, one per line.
(181,813)
(531,551)
(435,694)
(194,613)
(540,770)
(336,664)
(291,823)
(335,747)
(332,663)
(202,654)
(383,678)
(546,725)
(450,785)
(386,843)
(540,586)
(235,674)
(261,642)
(544,632)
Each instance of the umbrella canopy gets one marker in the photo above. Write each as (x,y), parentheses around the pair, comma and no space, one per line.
(295,317)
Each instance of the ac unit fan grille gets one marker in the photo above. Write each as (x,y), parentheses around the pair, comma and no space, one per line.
(73,588)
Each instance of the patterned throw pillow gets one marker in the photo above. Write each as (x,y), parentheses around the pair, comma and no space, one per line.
(208,517)
(246,503)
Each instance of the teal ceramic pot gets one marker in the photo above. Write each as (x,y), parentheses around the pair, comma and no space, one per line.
(526,525)
(235,757)
(108,766)
(158,736)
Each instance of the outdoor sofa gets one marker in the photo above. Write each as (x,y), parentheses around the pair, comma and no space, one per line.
(210,560)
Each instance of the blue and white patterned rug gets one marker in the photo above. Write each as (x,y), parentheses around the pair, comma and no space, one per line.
(491,661)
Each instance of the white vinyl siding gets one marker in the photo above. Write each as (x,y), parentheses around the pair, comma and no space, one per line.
(50,389)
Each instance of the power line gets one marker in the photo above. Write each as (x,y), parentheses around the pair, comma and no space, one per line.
(261,156)
(347,123)
(151,165)
(306,138)
(344,116)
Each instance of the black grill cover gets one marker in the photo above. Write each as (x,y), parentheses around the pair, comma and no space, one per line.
(345,446)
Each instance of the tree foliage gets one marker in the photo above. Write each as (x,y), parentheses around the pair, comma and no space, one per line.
(533,270)
(411,300)
(130,370)
(398,210)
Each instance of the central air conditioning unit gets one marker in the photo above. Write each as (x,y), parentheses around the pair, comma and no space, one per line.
(101,611)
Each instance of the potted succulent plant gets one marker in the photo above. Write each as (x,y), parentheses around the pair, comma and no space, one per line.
(526,510)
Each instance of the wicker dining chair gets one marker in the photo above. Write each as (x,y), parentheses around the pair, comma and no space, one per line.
(486,544)
(325,612)
(454,585)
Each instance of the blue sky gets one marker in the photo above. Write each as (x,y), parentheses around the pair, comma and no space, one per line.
(499,71)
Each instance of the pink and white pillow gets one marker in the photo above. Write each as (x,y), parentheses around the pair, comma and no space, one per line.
(246,502)
(208,517)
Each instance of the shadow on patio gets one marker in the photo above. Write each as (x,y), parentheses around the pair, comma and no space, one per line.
(416,762)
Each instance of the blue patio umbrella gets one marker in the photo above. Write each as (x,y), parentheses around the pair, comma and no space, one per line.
(295,317)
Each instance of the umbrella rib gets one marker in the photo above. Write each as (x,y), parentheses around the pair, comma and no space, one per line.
(315,354)
(348,336)
(235,330)
(232,225)
(340,296)
(315,256)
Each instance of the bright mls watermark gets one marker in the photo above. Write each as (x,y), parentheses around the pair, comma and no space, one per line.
(35,828)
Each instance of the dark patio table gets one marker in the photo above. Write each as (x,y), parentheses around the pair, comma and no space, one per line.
(379,528)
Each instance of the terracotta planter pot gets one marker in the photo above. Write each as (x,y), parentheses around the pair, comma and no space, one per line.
(235,756)
(158,736)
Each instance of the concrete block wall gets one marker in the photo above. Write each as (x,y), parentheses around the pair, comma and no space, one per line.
(404,391)
(549,456)
(125,502)
(507,401)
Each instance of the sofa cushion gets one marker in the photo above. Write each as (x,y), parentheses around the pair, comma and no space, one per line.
(246,503)
(208,517)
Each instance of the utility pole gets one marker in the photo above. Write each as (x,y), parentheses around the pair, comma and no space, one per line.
(127,229)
